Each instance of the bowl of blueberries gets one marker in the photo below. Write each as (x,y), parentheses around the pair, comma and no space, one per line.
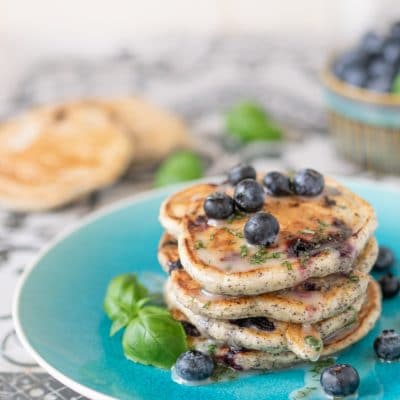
(362,91)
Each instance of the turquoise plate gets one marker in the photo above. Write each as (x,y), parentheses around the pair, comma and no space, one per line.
(59,319)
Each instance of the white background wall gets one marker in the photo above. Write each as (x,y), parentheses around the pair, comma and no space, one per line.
(97,26)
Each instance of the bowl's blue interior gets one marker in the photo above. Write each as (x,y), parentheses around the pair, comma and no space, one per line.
(60,310)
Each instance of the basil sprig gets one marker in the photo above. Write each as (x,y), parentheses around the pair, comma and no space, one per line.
(248,121)
(152,336)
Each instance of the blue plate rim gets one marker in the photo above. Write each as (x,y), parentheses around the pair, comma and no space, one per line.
(103,211)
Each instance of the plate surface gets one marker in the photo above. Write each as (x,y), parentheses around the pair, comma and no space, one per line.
(59,318)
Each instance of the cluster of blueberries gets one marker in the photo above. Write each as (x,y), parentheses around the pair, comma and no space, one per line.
(374,63)
(249,196)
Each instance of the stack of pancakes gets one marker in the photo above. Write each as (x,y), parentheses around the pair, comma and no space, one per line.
(255,307)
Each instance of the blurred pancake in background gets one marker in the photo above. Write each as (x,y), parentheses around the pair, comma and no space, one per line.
(52,155)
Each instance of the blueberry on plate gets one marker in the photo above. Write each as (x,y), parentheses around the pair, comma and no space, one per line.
(390,286)
(261,229)
(218,205)
(194,365)
(249,195)
(277,184)
(308,182)
(240,172)
(387,345)
(385,259)
(340,380)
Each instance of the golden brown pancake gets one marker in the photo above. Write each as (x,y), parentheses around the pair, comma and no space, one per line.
(270,335)
(311,301)
(53,155)
(154,131)
(318,237)
(245,359)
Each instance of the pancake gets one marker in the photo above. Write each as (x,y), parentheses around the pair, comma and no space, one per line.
(53,155)
(273,336)
(245,359)
(168,253)
(313,300)
(318,236)
(175,207)
(154,131)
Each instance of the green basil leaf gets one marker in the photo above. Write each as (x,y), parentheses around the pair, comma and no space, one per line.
(154,338)
(119,323)
(122,295)
(179,167)
(248,121)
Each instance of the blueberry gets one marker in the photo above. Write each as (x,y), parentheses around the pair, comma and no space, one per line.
(277,184)
(391,50)
(380,84)
(379,67)
(390,286)
(340,380)
(308,182)
(218,205)
(261,229)
(371,43)
(240,172)
(348,59)
(194,365)
(355,75)
(385,259)
(174,265)
(395,30)
(387,345)
(261,323)
(249,195)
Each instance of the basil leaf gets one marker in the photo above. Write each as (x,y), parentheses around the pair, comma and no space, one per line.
(122,295)
(396,85)
(179,167)
(248,121)
(154,338)
(119,323)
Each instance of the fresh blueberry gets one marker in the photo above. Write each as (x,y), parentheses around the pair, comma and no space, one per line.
(379,67)
(174,265)
(308,182)
(240,172)
(371,43)
(348,59)
(391,50)
(395,30)
(218,205)
(355,75)
(277,184)
(380,84)
(249,195)
(261,229)
(387,345)
(340,380)
(385,259)
(390,286)
(194,365)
